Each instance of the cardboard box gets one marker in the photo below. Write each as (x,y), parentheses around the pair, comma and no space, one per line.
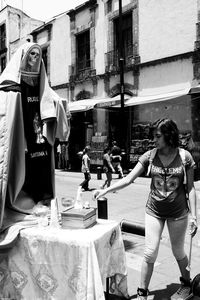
(78,218)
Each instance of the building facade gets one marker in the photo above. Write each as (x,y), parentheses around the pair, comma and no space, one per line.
(54,39)
(15,28)
(160,41)
(159,49)
(95,70)
(167,51)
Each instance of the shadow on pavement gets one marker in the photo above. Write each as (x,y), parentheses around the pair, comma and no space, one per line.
(129,245)
(164,294)
(89,190)
(114,297)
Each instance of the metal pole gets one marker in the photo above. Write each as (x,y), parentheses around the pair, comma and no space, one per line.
(121,57)
(133,227)
(121,67)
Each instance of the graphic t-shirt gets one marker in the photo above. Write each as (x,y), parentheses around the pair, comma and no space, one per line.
(167,197)
(38,179)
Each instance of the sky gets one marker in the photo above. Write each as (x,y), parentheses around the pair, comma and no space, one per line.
(42,9)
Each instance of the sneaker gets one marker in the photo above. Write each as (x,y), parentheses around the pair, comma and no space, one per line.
(183,291)
(142,294)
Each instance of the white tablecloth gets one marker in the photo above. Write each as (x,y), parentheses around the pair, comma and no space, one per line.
(50,263)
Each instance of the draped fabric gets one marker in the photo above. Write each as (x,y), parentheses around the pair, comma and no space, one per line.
(13,139)
(54,263)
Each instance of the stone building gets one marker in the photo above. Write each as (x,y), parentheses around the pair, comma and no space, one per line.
(54,38)
(94,28)
(15,28)
(160,41)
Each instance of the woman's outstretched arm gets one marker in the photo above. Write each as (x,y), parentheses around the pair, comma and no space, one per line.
(122,183)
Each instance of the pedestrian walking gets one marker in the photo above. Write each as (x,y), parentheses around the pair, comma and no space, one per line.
(116,159)
(64,156)
(85,168)
(68,165)
(56,155)
(171,200)
(59,156)
(107,168)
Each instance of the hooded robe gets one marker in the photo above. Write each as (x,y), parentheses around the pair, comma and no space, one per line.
(31,117)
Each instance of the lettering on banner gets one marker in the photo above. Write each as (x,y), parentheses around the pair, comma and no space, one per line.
(32,99)
(39,154)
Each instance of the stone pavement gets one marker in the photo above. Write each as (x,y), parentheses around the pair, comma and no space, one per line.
(128,204)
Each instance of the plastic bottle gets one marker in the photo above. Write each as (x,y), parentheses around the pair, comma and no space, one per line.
(54,222)
(79,199)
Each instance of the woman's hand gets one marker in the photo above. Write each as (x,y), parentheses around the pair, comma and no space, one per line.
(98,194)
(193,226)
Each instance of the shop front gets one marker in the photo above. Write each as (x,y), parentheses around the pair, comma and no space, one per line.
(97,122)
(93,123)
(182,106)
(81,128)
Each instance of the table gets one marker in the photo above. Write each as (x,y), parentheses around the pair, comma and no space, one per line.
(63,264)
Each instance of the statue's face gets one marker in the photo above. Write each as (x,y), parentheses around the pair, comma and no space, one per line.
(33,57)
(32,60)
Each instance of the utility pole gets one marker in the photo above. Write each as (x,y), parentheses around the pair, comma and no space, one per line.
(121,67)
(21,18)
(121,57)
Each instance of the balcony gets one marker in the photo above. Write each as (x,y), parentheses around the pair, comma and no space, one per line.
(112,59)
(82,70)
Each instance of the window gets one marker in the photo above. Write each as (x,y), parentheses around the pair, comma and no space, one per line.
(83,50)
(127,35)
(44,57)
(109,6)
(3,63)
(2,36)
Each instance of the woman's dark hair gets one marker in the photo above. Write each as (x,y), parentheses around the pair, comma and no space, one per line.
(106,150)
(86,149)
(169,130)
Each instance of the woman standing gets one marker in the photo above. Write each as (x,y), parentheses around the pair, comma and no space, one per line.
(85,169)
(168,202)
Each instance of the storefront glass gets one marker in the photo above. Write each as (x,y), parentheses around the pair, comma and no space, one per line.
(184,110)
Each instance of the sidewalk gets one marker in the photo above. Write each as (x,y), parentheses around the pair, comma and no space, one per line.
(129,204)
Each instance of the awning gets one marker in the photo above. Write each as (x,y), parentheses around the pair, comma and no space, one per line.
(87,104)
(195,89)
(150,95)
(82,105)
(158,94)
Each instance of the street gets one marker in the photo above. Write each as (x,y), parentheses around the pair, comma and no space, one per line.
(128,204)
